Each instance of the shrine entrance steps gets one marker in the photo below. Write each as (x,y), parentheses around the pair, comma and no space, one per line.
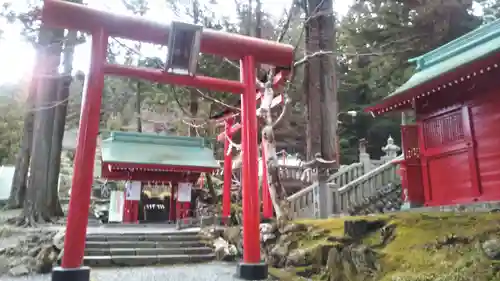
(145,249)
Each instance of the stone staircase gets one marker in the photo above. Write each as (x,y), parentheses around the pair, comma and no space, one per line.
(145,249)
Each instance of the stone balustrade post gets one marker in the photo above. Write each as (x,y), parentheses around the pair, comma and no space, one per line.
(364,157)
(323,196)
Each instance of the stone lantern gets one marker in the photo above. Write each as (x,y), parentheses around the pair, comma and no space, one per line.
(391,150)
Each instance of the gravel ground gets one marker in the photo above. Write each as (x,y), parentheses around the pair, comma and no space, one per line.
(198,272)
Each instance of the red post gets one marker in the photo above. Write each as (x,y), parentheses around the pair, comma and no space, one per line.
(251,214)
(76,228)
(267,203)
(134,212)
(126,209)
(228,163)
(171,213)
(130,211)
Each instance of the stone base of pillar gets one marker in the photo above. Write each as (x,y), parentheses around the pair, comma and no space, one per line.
(252,271)
(71,274)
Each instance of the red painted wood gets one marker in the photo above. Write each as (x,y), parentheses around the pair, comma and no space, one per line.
(131,211)
(411,168)
(444,155)
(159,76)
(471,150)
(485,120)
(450,166)
(62,14)
(172,212)
(250,188)
(76,228)
(149,176)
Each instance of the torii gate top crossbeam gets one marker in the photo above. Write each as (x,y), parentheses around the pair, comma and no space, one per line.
(62,14)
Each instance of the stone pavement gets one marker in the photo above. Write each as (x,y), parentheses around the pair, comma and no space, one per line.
(197,272)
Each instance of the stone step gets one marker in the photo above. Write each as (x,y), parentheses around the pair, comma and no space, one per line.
(144,260)
(140,232)
(114,252)
(142,244)
(141,237)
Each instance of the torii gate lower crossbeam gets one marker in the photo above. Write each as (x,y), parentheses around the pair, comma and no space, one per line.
(102,25)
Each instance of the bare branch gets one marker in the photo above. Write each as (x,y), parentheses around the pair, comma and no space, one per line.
(232,144)
(284,111)
(205,96)
(323,53)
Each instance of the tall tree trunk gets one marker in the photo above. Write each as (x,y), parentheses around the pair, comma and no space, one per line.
(320,86)
(36,206)
(61,110)
(19,181)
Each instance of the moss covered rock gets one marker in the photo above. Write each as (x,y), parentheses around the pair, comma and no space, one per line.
(401,247)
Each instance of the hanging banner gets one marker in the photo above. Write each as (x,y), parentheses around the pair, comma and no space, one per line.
(133,191)
(116,201)
(184,192)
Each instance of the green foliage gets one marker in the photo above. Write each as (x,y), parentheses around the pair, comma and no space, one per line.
(11,123)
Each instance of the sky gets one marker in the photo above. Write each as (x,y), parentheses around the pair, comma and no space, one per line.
(17,56)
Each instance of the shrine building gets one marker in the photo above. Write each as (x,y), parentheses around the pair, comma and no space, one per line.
(160,172)
(451,152)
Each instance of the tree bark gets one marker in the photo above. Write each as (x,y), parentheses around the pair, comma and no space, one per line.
(36,207)
(276,190)
(19,181)
(60,113)
(319,83)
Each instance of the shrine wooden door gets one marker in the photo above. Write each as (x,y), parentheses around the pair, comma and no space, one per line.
(448,157)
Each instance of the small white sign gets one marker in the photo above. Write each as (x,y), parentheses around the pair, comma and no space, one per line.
(133,190)
(184,192)
(116,201)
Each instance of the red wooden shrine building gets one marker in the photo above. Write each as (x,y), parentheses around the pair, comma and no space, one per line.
(151,158)
(451,153)
(185,42)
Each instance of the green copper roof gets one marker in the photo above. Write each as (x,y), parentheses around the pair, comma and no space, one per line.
(472,46)
(144,148)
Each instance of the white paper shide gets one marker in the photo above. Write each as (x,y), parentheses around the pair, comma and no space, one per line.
(133,190)
(184,192)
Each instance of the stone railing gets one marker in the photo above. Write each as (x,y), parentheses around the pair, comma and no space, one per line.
(353,193)
(350,183)
(296,173)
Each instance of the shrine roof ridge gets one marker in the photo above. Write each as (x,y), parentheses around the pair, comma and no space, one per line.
(474,45)
(151,138)
(157,150)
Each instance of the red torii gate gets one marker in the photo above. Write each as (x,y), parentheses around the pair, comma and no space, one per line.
(102,25)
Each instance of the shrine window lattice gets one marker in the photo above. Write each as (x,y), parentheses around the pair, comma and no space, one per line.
(443,130)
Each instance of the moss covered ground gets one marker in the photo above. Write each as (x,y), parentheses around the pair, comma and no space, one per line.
(424,246)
